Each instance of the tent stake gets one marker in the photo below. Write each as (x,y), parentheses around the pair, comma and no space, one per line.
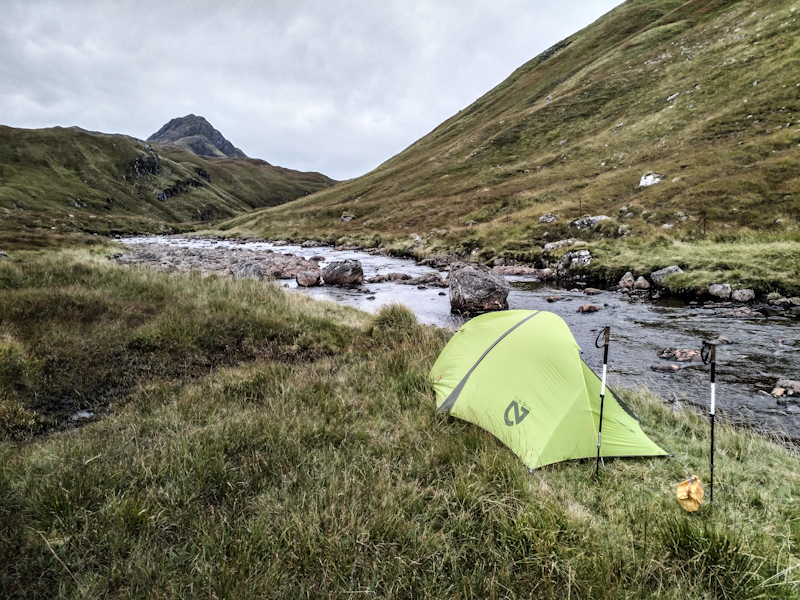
(606,333)
(710,356)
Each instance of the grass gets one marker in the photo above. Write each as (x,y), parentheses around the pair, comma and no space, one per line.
(95,333)
(268,445)
(728,150)
(72,180)
(762,262)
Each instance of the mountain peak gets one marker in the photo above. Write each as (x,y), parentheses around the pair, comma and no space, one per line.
(196,135)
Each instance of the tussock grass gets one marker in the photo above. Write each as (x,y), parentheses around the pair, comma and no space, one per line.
(96,332)
(295,472)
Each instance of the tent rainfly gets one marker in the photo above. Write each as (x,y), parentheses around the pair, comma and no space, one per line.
(519,375)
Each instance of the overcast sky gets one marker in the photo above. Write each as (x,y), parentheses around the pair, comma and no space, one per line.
(330,86)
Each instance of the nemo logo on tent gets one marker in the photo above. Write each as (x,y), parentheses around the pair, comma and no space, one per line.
(520,412)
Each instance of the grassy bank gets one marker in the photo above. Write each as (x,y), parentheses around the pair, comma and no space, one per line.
(743,258)
(266,445)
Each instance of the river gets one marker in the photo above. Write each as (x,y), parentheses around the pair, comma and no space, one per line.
(763,351)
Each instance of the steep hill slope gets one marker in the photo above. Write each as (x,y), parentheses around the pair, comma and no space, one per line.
(704,93)
(197,135)
(71,179)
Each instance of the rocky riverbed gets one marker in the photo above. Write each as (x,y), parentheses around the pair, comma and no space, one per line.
(225,260)
(654,342)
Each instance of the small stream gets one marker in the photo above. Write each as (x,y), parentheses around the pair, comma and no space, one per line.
(763,351)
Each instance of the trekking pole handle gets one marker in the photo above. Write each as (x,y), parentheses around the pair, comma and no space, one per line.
(709,356)
(606,334)
(709,353)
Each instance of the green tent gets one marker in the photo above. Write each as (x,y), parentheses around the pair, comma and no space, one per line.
(519,375)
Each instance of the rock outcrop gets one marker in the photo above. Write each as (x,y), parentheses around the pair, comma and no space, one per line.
(576,258)
(476,289)
(196,135)
(588,222)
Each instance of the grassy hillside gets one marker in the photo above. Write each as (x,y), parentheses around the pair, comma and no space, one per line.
(71,180)
(705,93)
(258,444)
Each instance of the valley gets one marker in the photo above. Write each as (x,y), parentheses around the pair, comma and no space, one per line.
(179,419)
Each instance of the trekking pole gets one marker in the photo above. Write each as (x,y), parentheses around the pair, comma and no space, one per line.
(709,355)
(606,332)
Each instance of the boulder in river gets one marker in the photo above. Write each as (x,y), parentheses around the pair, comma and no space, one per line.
(588,308)
(786,387)
(343,272)
(590,291)
(477,289)
(665,368)
(627,280)
(680,354)
(432,278)
(308,278)
(547,274)
(641,284)
(659,276)
(720,290)
(742,312)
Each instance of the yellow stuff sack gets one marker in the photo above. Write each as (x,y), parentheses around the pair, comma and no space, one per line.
(690,494)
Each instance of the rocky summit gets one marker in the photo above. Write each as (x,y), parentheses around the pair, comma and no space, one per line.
(197,135)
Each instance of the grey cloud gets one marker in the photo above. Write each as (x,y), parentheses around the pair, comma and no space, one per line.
(307,84)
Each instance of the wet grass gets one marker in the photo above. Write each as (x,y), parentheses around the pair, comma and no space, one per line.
(274,446)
